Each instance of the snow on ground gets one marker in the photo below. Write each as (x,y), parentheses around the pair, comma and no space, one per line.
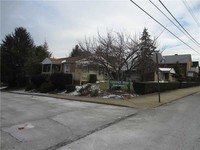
(3,87)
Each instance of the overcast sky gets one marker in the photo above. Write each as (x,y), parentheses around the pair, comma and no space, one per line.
(63,23)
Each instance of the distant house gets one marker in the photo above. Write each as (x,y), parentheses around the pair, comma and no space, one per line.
(194,71)
(185,62)
(53,65)
(165,74)
(80,67)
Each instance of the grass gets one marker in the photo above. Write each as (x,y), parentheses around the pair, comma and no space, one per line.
(103,85)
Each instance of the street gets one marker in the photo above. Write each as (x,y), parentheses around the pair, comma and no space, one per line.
(37,123)
(40,123)
(175,126)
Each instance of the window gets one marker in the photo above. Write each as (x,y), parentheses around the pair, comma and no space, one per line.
(46,68)
(56,68)
(66,68)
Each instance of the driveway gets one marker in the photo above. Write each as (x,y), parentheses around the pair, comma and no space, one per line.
(38,123)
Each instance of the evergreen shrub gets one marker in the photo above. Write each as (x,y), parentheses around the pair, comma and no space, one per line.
(70,88)
(38,80)
(29,87)
(46,87)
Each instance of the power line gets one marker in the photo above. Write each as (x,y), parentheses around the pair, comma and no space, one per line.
(191,12)
(160,34)
(163,26)
(173,23)
(178,22)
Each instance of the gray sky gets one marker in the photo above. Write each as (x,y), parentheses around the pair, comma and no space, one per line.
(63,23)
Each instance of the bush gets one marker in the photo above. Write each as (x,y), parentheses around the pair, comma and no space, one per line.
(92,78)
(60,80)
(85,90)
(29,87)
(94,93)
(69,79)
(37,80)
(70,88)
(46,87)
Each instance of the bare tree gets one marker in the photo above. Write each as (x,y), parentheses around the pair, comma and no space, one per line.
(113,51)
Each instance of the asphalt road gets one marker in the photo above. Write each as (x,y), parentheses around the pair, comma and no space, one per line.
(175,126)
(40,123)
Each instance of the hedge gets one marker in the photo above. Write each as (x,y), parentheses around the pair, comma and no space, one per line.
(151,87)
(189,84)
(60,80)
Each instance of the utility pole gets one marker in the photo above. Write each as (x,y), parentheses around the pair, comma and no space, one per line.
(158,78)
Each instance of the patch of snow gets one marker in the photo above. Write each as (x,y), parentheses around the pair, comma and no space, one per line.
(75,93)
(113,96)
(78,87)
(3,87)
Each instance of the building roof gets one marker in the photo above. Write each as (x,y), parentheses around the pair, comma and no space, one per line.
(167,70)
(57,60)
(73,59)
(52,60)
(160,57)
(172,59)
(62,60)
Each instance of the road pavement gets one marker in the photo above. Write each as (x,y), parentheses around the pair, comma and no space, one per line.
(31,122)
(175,126)
(42,122)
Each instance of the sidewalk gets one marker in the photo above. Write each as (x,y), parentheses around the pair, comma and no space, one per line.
(143,101)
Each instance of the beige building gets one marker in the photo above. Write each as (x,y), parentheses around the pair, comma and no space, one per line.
(80,67)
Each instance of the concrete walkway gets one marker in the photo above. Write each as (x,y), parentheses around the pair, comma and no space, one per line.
(143,101)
